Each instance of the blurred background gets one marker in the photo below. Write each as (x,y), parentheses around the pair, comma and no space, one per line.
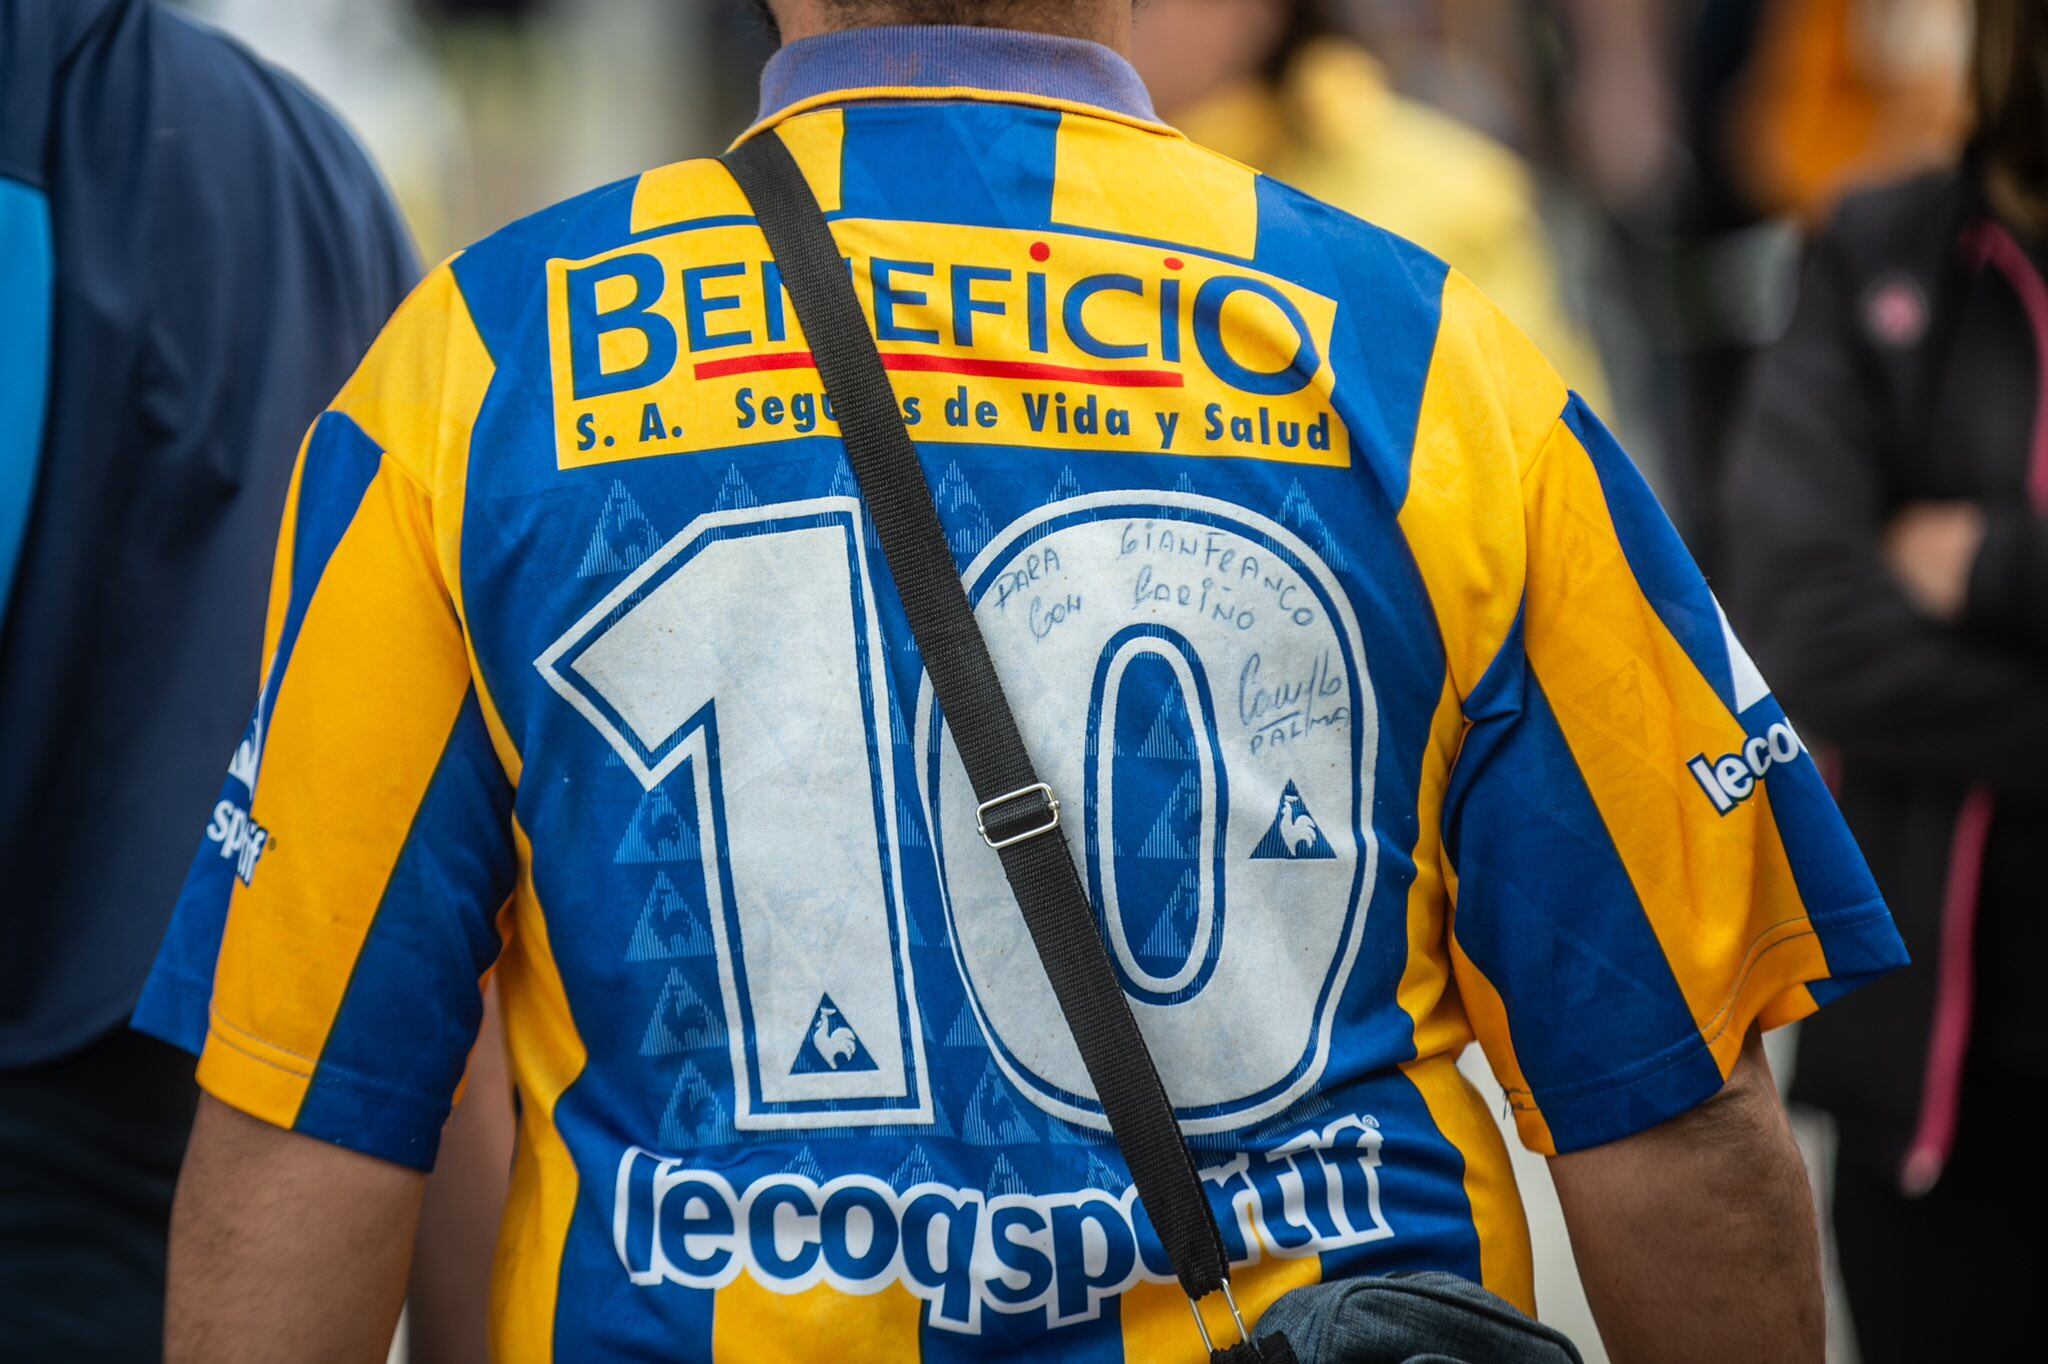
(1670,149)
(1631,179)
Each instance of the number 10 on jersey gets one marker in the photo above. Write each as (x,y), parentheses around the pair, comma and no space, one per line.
(1196,691)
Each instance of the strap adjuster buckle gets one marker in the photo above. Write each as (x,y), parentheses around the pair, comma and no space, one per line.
(1243,1331)
(1052,816)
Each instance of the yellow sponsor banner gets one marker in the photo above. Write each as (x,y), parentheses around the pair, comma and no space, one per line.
(688,342)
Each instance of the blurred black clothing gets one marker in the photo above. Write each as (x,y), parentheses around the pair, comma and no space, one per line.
(224,253)
(1911,373)
(1945,1276)
(488,9)
(85,1199)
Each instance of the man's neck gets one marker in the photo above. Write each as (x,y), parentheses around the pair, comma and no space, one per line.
(1107,22)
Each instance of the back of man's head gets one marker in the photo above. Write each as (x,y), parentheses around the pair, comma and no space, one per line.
(1101,20)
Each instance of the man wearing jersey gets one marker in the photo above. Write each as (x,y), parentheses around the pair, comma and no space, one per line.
(1386,708)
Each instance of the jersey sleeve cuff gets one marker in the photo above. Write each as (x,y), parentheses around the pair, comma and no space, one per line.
(289,1091)
(1788,978)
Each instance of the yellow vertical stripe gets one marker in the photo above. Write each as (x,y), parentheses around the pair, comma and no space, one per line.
(379,672)
(1634,708)
(263,1080)
(1113,178)
(751,1324)
(378,676)
(1159,1329)
(418,397)
(1425,991)
(703,188)
(1788,1006)
(547,1054)
(437,422)
(1506,1264)
(1489,400)
(818,142)
(697,188)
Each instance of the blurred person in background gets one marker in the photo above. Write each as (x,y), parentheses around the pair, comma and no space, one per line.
(1281,86)
(193,252)
(371,61)
(1704,131)
(1889,509)
(1755,108)
(1839,93)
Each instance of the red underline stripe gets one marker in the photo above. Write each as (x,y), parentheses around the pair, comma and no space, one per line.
(948,364)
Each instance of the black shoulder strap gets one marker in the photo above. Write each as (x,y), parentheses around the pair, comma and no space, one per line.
(1018,811)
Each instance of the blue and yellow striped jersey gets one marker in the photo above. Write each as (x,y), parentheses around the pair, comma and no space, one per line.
(1387,710)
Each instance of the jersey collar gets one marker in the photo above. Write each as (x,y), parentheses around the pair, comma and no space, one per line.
(941,61)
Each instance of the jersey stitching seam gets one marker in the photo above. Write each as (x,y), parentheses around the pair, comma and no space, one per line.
(1543,446)
(326,1075)
(241,1040)
(1757,948)
(951,94)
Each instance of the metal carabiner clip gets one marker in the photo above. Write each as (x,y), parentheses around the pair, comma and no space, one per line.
(1243,1332)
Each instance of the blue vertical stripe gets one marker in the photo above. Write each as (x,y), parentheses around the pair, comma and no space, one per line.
(1547,911)
(1835,885)
(1381,356)
(402,1035)
(27,284)
(982,165)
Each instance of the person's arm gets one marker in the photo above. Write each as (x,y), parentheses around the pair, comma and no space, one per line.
(1696,1240)
(1845,630)
(1644,868)
(1621,104)
(448,1299)
(284,1247)
(1647,862)
(329,954)
(2006,588)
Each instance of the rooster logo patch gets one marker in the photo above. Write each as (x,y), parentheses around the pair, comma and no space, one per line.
(831,1044)
(1295,836)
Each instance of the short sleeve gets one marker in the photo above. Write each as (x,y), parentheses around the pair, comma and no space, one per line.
(1645,860)
(327,953)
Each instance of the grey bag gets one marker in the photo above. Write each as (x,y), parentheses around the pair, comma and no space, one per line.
(1428,1318)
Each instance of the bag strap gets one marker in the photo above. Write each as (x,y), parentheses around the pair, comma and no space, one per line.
(1017,810)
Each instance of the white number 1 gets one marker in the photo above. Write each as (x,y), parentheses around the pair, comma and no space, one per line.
(748,647)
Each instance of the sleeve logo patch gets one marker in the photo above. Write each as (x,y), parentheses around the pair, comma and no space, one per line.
(1734,778)
(241,839)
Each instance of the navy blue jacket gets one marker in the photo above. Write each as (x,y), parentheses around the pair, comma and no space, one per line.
(215,254)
